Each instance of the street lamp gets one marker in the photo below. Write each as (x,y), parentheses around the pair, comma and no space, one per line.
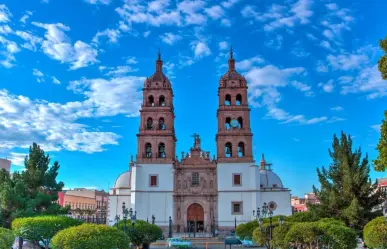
(262,213)
(133,217)
(153,219)
(125,214)
(117,219)
(213,226)
(170,227)
(281,221)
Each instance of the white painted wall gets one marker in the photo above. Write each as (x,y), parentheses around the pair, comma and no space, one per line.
(147,200)
(115,207)
(248,192)
(281,198)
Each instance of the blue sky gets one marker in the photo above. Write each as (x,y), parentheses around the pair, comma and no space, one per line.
(71,74)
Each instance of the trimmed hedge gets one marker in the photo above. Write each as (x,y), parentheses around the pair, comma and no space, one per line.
(90,236)
(144,233)
(42,228)
(375,233)
(7,238)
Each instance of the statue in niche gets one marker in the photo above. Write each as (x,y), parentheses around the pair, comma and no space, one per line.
(178,184)
(204,184)
(185,184)
(211,184)
(178,213)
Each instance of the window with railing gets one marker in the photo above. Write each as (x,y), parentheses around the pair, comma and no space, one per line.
(195,179)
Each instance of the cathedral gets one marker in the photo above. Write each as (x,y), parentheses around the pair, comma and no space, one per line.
(194,189)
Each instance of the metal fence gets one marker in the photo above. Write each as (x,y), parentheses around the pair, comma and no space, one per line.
(94,220)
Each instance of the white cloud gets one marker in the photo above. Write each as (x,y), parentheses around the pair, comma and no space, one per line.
(55,80)
(131,60)
(369,81)
(118,95)
(248,63)
(57,45)
(111,34)
(106,2)
(346,61)
(118,71)
(5,29)
(201,49)
(146,34)
(17,158)
(337,108)
(27,15)
(275,43)
(296,139)
(215,12)
(31,40)
(52,125)
(306,89)
(286,118)
(327,87)
(229,3)
(225,22)
(37,73)
(223,45)
(322,67)
(9,49)
(5,14)
(170,38)
(279,16)
(376,127)
(326,44)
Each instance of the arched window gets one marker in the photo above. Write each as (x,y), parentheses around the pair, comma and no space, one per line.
(161,100)
(161,150)
(238,99)
(162,124)
(228,123)
(151,101)
(240,122)
(227,100)
(148,150)
(149,124)
(228,149)
(241,149)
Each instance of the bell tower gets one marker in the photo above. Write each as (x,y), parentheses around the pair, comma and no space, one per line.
(234,137)
(156,138)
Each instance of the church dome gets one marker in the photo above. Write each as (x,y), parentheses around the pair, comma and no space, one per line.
(123,181)
(269,179)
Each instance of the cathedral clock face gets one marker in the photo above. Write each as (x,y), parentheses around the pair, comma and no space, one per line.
(234,123)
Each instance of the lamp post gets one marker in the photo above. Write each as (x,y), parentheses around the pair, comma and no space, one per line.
(170,227)
(125,213)
(385,212)
(235,224)
(213,226)
(133,217)
(262,213)
(281,221)
(117,219)
(153,219)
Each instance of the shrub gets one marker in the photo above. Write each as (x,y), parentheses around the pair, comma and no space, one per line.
(42,228)
(90,236)
(143,233)
(6,238)
(302,217)
(342,237)
(303,234)
(279,235)
(245,230)
(375,233)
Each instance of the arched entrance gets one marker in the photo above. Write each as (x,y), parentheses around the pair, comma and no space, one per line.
(195,218)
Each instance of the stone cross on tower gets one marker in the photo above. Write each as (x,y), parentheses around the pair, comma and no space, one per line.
(197,140)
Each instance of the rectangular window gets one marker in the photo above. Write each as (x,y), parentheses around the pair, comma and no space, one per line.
(237,208)
(236,179)
(195,179)
(153,181)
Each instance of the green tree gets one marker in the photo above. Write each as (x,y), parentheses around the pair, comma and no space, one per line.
(245,230)
(346,191)
(382,64)
(33,191)
(380,164)
(6,238)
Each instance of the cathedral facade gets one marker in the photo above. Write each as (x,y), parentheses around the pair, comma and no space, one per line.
(196,190)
